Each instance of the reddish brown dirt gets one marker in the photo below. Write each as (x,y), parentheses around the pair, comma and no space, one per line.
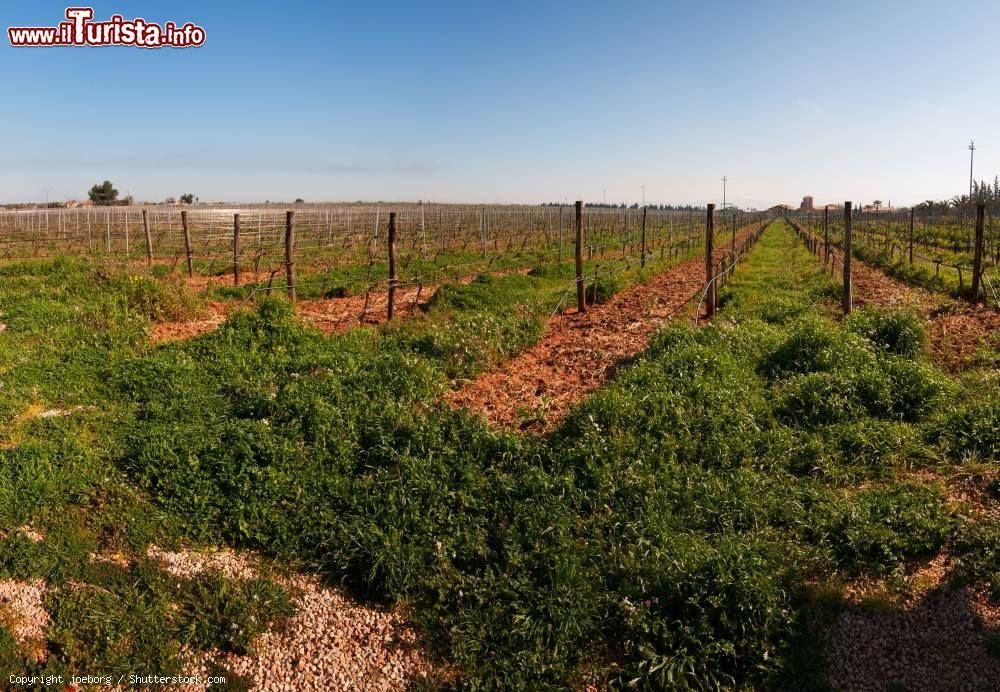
(334,315)
(163,332)
(958,331)
(331,315)
(579,352)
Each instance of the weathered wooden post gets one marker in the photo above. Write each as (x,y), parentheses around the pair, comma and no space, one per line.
(732,249)
(290,253)
(149,238)
(581,290)
(642,262)
(826,234)
(560,234)
(187,243)
(392,264)
(236,249)
(977,261)
(912,212)
(848,297)
(709,250)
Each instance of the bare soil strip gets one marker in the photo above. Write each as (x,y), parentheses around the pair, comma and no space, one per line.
(580,351)
(331,315)
(957,330)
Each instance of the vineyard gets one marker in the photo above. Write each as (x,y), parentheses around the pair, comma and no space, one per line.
(936,252)
(419,445)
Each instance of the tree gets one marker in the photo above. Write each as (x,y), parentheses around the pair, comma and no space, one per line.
(103,194)
(300,201)
(187,198)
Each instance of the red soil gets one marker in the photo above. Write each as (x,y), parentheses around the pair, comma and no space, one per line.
(958,330)
(579,352)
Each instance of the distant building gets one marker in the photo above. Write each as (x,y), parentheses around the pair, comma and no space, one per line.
(807,203)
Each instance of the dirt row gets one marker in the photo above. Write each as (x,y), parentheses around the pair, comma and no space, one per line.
(579,352)
(958,330)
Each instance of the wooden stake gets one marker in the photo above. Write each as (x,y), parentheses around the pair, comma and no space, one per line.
(848,297)
(236,249)
(912,212)
(581,293)
(826,234)
(392,263)
(642,262)
(709,250)
(187,243)
(977,262)
(149,238)
(290,253)
(732,249)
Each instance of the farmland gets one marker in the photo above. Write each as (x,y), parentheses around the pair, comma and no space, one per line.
(722,505)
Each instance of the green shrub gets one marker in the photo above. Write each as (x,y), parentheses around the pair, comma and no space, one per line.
(876,529)
(901,333)
(813,345)
(215,613)
(699,614)
(976,551)
(604,288)
(969,427)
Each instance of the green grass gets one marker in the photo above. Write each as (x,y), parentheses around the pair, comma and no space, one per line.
(667,532)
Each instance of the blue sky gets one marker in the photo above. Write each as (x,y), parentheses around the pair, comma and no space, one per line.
(511,102)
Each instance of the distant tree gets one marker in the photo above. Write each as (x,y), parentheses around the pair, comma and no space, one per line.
(103,194)
(187,198)
(300,201)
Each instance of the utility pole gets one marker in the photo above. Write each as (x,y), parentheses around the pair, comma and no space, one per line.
(724,179)
(972,153)
(604,197)
(644,196)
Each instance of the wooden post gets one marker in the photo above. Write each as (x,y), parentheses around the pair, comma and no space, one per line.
(149,238)
(826,234)
(732,249)
(912,212)
(977,262)
(581,290)
(236,249)
(392,263)
(560,234)
(642,262)
(187,243)
(709,250)
(848,296)
(290,253)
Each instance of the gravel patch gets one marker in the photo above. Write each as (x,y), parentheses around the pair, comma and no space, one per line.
(23,614)
(933,640)
(186,564)
(331,642)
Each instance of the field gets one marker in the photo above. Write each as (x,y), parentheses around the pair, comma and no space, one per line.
(491,489)
(943,243)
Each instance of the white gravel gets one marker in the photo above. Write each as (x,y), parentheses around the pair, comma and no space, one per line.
(331,642)
(935,640)
(22,612)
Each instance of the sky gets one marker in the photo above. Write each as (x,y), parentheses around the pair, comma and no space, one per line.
(510,102)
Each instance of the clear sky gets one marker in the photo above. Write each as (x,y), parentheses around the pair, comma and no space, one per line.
(511,102)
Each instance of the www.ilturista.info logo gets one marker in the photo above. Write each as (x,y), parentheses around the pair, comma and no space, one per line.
(80,30)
